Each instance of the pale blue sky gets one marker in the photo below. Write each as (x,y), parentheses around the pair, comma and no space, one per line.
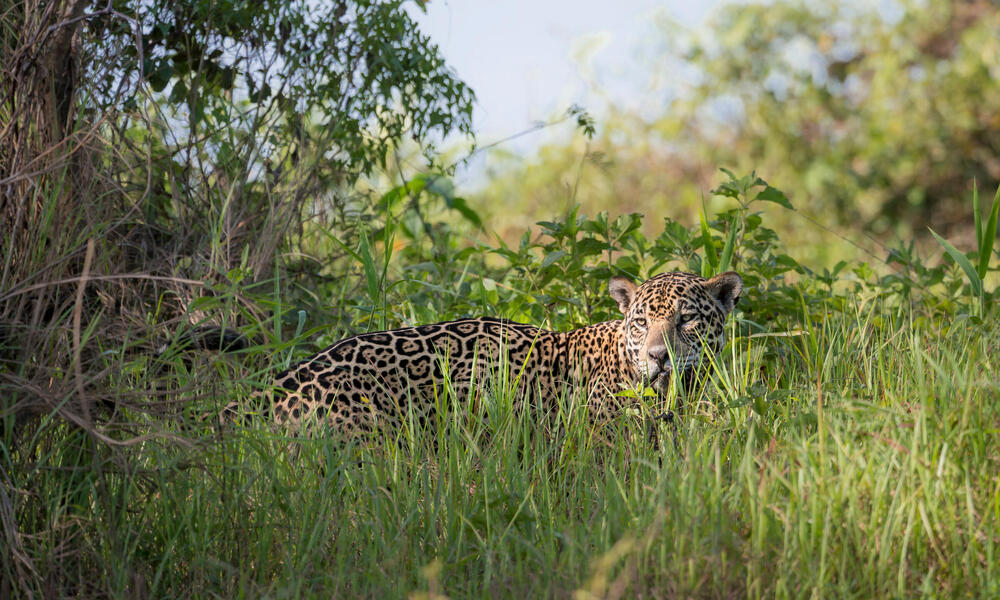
(530,60)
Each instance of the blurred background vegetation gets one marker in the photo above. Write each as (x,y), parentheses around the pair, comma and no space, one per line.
(874,121)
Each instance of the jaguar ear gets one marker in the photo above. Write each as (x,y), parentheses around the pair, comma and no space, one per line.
(623,291)
(725,288)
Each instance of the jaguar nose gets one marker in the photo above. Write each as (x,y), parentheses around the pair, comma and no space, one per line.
(659,354)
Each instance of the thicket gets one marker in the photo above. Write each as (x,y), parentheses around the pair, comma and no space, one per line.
(166,166)
(149,149)
(150,153)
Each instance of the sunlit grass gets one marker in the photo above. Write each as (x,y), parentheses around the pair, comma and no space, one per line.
(853,456)
(855,459)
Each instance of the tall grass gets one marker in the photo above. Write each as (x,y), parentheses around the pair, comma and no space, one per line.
(857,459)
(844,447)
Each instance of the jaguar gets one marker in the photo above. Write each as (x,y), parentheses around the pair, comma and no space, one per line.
(377,379)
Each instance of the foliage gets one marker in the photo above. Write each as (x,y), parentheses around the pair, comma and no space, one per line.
(353,77)
(846,408)
(184,165)
(985,237)
(875,114)
(847,106)
(415,271)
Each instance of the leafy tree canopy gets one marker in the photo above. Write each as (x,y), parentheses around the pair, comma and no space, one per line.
(354,76)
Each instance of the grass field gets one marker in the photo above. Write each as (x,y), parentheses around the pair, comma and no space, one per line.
(870,471)
(846,445)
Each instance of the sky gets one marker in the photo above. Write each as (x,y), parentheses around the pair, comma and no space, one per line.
(528,61)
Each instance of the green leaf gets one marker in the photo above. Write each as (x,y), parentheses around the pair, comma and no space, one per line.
(465,210)
(161,76)
(489,291)
(628,264)
(626,224)
(728,189)
(550,226)
(970,271)
(410,188)
(988,237)
(589,246)
(260,95)
(737,403)
(552,257)
(772,194)
(226,78)
(179,93)
(788,261)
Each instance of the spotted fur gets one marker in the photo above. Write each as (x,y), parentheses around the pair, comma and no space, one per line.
(367,381)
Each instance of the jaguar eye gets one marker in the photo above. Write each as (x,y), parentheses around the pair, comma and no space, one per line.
(686,318)
(639,322)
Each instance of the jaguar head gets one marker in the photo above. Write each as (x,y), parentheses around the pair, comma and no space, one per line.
(672,319)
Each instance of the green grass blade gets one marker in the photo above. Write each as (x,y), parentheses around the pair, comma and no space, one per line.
(366,258)
(970,271)
(988,237)
(371,275)
(975,214)
(711,257)
(727,250)
(341,244)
